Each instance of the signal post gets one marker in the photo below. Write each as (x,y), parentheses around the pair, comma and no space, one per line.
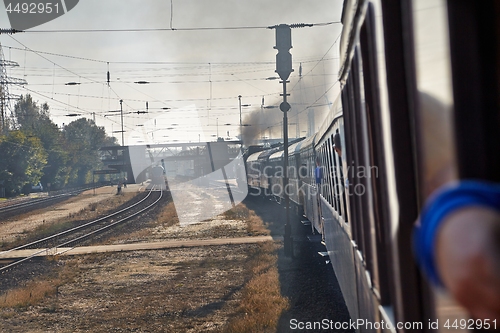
(284,68)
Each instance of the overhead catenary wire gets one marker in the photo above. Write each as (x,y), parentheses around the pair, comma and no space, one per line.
(92,79)
(227,63)
(70,71)
(171,29)
(52,62)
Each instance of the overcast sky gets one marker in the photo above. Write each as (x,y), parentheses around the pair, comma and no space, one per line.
(197,73)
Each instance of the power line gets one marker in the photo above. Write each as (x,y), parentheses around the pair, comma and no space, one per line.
(240,63)
(174,29)
(52,62)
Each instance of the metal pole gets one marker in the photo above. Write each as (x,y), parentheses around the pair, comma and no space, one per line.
(288,227)
(241,134)
(261,117)
(121,114)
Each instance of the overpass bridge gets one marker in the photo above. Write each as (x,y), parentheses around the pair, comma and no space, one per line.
(180,160)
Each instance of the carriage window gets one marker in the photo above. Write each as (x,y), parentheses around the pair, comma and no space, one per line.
(376,158)
(335,180)
(328,171)
(325,172)
(434,114)
(362,164)
(351,116)
(342,185)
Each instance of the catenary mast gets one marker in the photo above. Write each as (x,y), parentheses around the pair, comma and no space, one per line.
(5,96)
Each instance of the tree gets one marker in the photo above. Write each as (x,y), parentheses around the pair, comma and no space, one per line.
(35,121)
(27,113)
(24,161)
(84,139)
(69,155)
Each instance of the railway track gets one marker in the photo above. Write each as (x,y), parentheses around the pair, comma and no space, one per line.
(79,234)
(26,206)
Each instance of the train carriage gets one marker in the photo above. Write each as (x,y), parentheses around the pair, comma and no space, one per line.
(308,187)
(260,172)
(418,91)
(406,110)
(275,167)
(253,170)
(266,172)
(294,177)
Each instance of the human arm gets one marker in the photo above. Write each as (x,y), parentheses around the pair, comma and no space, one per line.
(458,244)
(468,259)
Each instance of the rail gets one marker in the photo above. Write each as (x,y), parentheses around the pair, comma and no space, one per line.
(78,228)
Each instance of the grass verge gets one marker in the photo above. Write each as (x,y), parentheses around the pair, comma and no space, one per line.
(35,291)
(31,294)
(168,216)
(255,225)
(261,304)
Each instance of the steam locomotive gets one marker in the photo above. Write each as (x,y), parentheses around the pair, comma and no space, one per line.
(158,177)
(420,82)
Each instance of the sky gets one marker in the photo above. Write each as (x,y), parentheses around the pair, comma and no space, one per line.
(194,75)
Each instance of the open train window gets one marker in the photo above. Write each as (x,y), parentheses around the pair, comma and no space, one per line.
(476,86)
(376,163)
(457,70)
(362,189)
(434,108)
(348,105)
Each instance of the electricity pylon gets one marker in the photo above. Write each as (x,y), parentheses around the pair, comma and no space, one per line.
(5,96)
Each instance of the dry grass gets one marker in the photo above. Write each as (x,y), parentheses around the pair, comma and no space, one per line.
(35,291)
(256,307)
(168,216)
(261,304)
(98,208)
(240,212)
(30,294)
(255,225)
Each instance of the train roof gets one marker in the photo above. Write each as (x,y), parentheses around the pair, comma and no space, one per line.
(266,153)
(294,148)
(254,157)
(308,142)
(331,118)
(277,155)
(353,12)
(262,155)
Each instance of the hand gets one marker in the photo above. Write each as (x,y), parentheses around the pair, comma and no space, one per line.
(468,259)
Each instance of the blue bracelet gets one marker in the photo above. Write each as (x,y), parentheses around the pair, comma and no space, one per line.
(438,206)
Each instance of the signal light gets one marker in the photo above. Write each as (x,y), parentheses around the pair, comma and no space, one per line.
(283,45)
